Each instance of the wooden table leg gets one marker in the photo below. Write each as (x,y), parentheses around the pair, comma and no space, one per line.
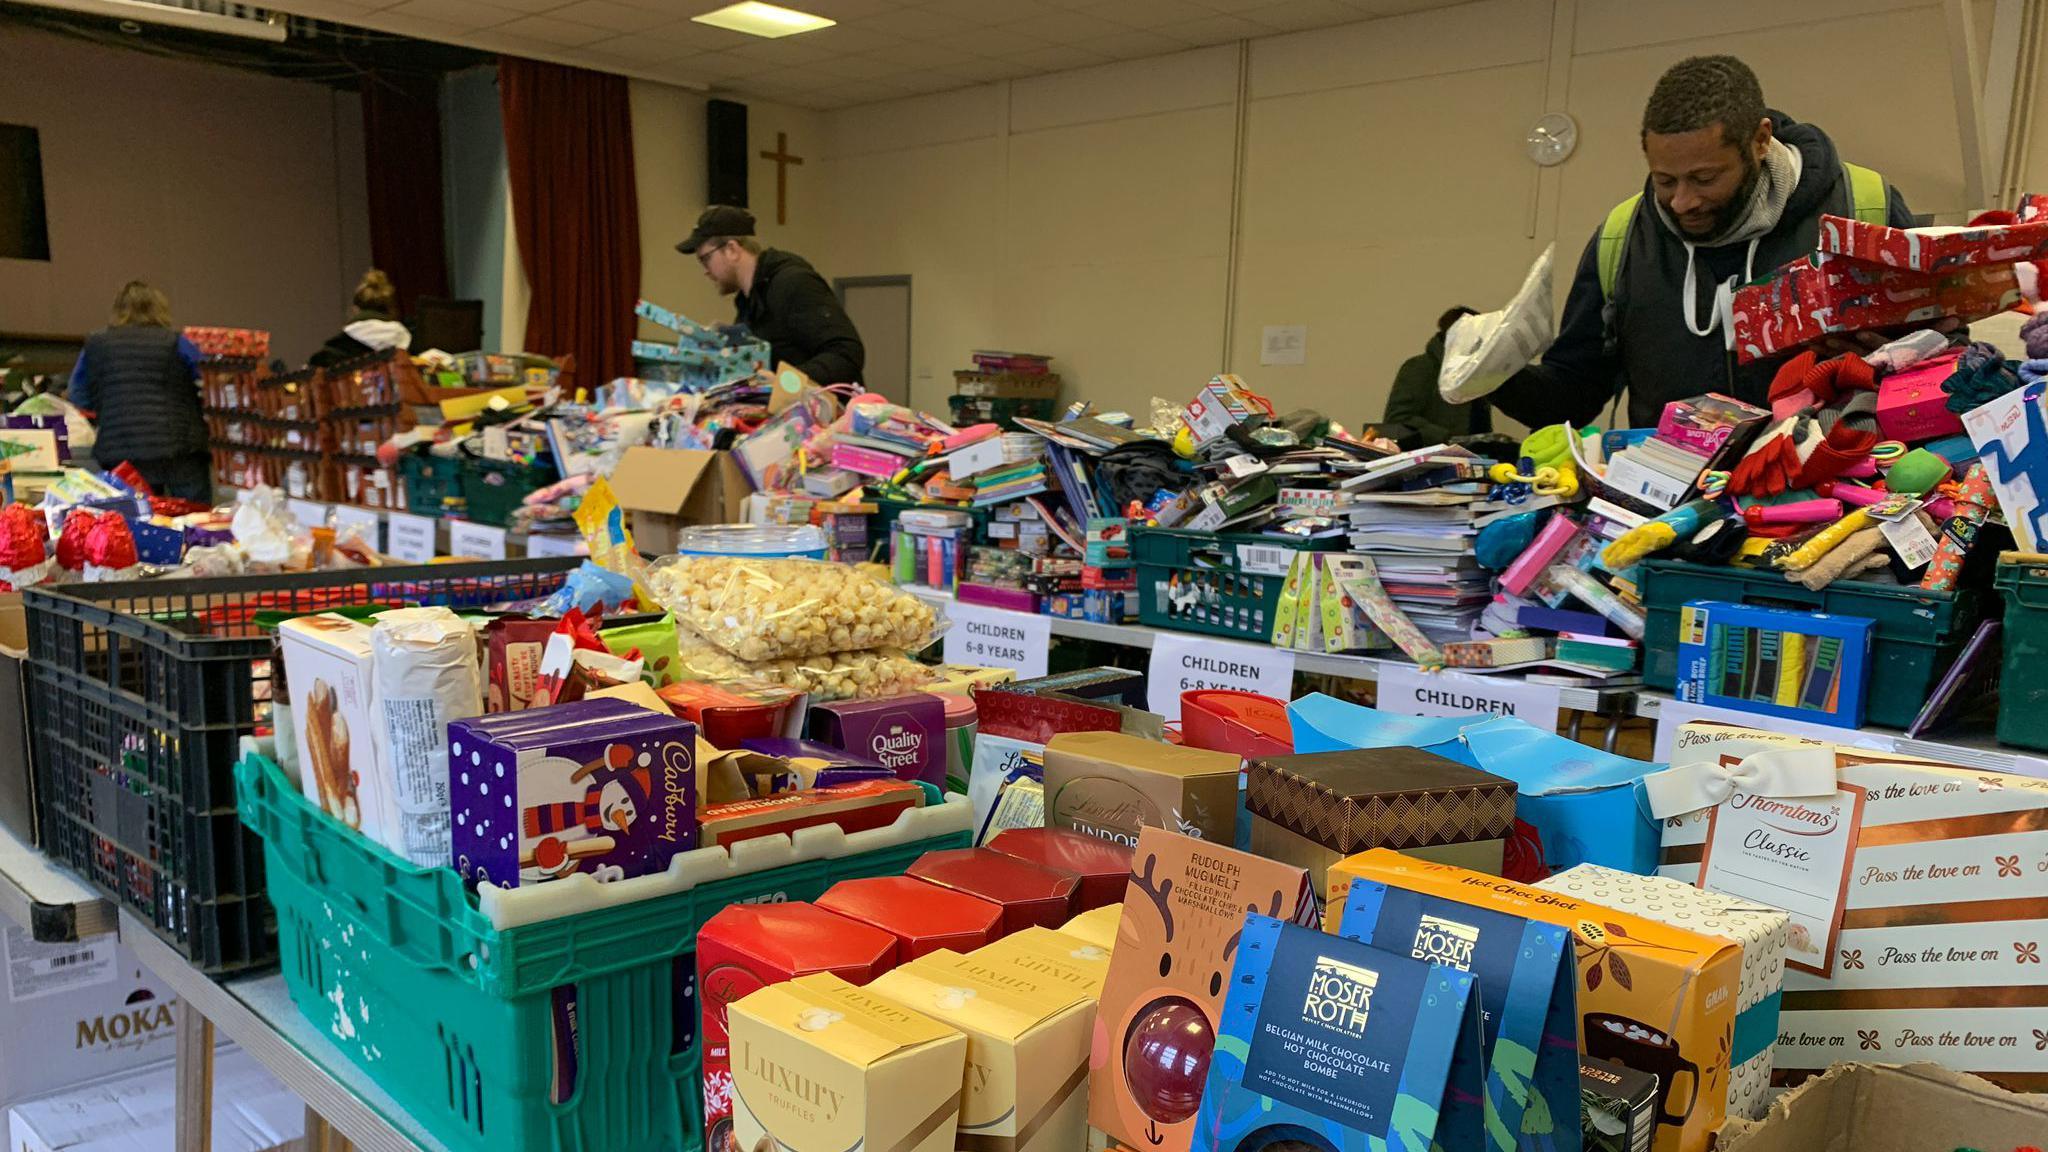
(195,1081)
(322,1136)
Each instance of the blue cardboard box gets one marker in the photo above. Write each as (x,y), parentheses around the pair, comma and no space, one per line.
(1782,662)
(1342,1047)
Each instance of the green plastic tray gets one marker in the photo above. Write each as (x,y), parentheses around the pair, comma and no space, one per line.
(1198,581)
(2023,677)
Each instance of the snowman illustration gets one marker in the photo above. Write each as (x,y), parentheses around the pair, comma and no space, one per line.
(560,836)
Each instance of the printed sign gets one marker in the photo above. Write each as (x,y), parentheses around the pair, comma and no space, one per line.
(412,538)
(543,544)
(998,638)
(1409,691)
(361,522)
(308,514)
(1181,663)
(478,540)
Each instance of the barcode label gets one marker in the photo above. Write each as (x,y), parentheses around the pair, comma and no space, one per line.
(67,960)
(1264,559)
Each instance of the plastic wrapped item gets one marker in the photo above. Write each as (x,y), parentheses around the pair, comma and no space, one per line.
(653,642)
(762,610)
(425,671)
(766,541)
(263,527)
(1482,351)
(591,590)
(841,676)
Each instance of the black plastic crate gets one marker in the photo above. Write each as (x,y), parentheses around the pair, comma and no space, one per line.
(141,693)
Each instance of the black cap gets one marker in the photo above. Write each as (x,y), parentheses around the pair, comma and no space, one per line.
(717,220)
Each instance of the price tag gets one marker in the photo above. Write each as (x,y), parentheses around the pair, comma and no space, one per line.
(998,638)
(554,544)
(1910,539)
(308,513)
(979,456)
(1181,663)
(1409,691)
(412,538)
(480,541)
(364,522)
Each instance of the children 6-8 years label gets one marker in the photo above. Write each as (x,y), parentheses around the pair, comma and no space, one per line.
(998,638)
(1187,663)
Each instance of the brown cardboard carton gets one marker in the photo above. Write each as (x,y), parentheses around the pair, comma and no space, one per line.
(1891,1108)
(819,1065)
(1110,784)
(664,489)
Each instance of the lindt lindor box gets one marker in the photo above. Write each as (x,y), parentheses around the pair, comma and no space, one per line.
(904,733)
(1109,784)
(923,917)
(748,946)
(1759,928)
(1316,808)
(819,1065)
(1027,893)
(1104,866)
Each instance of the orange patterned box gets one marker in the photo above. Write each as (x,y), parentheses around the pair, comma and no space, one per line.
(1652,997)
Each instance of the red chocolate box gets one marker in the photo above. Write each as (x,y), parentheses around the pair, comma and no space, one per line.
(1028,893)
(749,946)
(923,917)
(1104,866)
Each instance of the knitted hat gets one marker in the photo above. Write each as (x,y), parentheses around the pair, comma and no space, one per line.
(2035,333)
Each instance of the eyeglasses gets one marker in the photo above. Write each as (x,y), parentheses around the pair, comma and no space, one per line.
(704,255)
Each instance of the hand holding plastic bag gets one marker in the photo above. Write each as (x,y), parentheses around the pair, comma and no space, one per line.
(1482,351)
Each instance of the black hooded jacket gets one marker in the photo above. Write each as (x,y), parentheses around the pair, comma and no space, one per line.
(1653,354)
(797,313)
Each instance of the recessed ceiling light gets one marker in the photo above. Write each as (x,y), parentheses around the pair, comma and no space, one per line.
(758,19)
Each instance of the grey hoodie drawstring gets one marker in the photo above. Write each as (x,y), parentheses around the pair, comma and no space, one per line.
(1722,314)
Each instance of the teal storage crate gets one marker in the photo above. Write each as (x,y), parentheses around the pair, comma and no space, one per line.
(1918,634)
(1219,584)
(2023,675)
(433,484)
(452,1003)
(492,490)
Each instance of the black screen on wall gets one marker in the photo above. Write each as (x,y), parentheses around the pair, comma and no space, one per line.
(24,230)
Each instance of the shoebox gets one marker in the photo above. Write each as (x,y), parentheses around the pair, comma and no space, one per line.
(1104,866)
(1825,293)
(1027,893)
(819,1065)
(1314,809)
(99,1012)
(922,917)
(745,947)
(904,733)
(1109,784)
(252,1112)
(1933,249)
(1855,1107)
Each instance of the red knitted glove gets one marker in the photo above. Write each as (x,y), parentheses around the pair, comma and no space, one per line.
(1788,388)
(1775,459)
(1848,372)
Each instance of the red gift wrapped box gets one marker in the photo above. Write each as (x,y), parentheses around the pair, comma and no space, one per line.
(1934,249)
(1827,293)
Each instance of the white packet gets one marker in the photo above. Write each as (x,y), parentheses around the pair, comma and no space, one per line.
(426,675)
(1482,351)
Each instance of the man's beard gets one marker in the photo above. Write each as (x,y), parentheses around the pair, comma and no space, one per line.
(1728,214)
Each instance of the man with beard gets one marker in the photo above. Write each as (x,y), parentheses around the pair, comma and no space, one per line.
(1735,190)
(778,296)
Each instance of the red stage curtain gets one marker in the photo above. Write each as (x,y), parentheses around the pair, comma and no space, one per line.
(402,159)
(569,154)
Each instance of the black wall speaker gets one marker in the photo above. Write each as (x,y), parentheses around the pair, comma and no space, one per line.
(725,153)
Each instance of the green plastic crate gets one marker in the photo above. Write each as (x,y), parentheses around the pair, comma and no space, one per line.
(1198,581)
(456,1017)
(2023,676)
(433,484)
(494,489)
(1918,634)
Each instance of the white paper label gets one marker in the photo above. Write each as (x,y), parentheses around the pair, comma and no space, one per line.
(987,637)
(1264,559)
(497,444)
(1181,663)
(307,514)
(1791,853)
(554,544)
(1243,466)
(1283,344)
(412,538)
(361,522)
(466,538)
(1911,540)
(35,970)
(979,456)
(1409,691)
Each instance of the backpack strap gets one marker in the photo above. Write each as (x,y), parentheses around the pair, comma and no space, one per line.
(1868,200)
(1613,239)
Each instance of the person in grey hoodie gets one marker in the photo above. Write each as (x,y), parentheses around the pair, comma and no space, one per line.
(1735,190)
(372,324)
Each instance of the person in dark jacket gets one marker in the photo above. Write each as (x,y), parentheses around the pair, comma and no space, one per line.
(1416,402)
(138,380)
(372,324)
(778,296)
(1735,190)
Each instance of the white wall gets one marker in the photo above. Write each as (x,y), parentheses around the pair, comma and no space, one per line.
(1088,214)
(240,195)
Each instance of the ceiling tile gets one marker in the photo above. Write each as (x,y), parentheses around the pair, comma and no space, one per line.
(1055,58)
(419,27)
(1133,43)
(921,82)
(612,16)
(642,49)
(1216,30)
(845,38)
(785,52)
(560,33)
(914,54)
(1147,13)
(1067,27)
(794,79)
(990,41)
(987,11)
(702,37)
(862,92)
(841,10)
(857,68)
(1301,15)
(982,70)
(718,66)
(530,7)
(1233,7)
(914,24)
(462,13)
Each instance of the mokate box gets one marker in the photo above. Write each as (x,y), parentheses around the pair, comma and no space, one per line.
(922,917)
(1104,866)
(1656,998)
(855,807)
(77,1012)
(1110,785)
(1029,894)
(745,947)
(904,733)
(1097,926)
(819,1065)
(1891,1108)
(1176,941)
(1760,929)
(1316,808)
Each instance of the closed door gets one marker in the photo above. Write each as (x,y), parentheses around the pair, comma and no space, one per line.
(879,307)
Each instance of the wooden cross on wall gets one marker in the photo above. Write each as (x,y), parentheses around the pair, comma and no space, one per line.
(782,160)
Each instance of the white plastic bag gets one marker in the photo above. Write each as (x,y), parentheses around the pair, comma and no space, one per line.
(1482,351)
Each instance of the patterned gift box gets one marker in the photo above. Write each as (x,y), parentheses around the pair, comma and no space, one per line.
(1826,293)
(1760,929)
(1933,249)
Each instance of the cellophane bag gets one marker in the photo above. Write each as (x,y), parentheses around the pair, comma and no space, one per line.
(759,610)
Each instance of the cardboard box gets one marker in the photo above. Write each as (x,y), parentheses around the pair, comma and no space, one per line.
(855,807)
(1617,1107)
(1110,785)
(1656,998)
(745,947)
(1104,866)
(90,1006)
(1178,936)
(330,663)
(1939,918)
(1080,963)
(1933,249)
(1316,808)
(1891,1108)
(1098,926)
(1029,894)
(512,651)
(922,917)
(1782,662)
(905,733)
(252,1112)
(1825,293)
(1760,929)
(666,489)
(1028,1033)
(821,1066)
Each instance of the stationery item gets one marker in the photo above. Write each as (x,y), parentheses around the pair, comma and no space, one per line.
(922,917)
(1774,661)
(1704,423)
(854,807)
(1360,1047)
(1551,540)
(1110,785)
(1103,866)
(1029,894)
(821,1066)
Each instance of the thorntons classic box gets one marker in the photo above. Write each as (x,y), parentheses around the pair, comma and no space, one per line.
(1656,998)
(1940,935)
(1109,784)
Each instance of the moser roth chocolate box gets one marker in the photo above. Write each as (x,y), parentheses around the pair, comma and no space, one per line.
(1317,808)
(1109,784)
